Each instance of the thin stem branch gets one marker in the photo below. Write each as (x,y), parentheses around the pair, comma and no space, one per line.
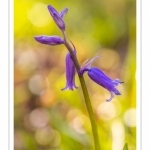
(86,96)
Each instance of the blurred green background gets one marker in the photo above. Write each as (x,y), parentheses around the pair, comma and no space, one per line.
(45,118)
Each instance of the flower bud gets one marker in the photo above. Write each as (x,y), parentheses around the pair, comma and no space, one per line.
(50,40)
(57,18)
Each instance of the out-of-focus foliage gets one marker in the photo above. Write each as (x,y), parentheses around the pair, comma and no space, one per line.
(125,146)
(45,118)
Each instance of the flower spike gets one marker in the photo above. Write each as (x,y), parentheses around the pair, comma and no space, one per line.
(50,40)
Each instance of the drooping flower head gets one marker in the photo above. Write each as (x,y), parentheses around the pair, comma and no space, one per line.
(70,72)
(58,18)
(102,79)
(50,40)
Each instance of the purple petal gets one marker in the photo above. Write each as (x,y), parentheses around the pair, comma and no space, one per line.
(63,89)
(103,80)
(111,97)
(116,91)
(100,78)
(63,12)
(60,23)
(86,67)
(50,40)
(116,82)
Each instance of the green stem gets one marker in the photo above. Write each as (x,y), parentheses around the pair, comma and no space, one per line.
(86,95)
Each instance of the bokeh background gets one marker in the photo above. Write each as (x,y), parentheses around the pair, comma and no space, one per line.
(45,118)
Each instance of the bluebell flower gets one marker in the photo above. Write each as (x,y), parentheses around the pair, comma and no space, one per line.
(70,73)
(58,18)
(102,79)
(50,40)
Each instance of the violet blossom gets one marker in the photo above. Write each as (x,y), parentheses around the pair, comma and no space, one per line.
(70,73)
(100,78)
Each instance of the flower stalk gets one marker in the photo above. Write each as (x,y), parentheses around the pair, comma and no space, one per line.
(72,65)
(86,95)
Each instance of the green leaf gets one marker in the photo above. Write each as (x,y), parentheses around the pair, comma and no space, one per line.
(125,146)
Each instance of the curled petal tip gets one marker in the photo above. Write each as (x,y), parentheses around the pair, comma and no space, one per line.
(108,100)
(63,89)
(111,97)
(75,86)
(116,91)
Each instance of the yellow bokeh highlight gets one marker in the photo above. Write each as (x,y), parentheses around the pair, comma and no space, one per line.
(39,15)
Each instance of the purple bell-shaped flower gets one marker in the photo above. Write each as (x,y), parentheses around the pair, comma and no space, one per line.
(100,78)
(70,72)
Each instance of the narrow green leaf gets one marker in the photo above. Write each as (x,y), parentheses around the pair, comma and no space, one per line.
(125,146)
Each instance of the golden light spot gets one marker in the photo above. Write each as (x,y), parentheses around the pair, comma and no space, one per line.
(38,118)
(47,98)
(39,15)
(56,140)
(118,135)
(73,113)
(110,59)
(77,124)
(130,117)
(106,111)
(37,84)
(44,135)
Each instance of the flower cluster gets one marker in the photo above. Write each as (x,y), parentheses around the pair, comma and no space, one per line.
(58,18)
(94,73)
(56,40)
